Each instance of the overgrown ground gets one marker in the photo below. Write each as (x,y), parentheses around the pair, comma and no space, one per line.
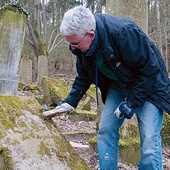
(82,145)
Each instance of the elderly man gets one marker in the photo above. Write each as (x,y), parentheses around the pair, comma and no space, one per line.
(117,56)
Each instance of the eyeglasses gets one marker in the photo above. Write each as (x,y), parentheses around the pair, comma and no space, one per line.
(76,45)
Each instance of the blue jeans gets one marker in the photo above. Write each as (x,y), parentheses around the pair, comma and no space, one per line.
(149,122)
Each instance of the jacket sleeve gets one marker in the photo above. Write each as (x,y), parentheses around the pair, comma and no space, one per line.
(137,54)
(80,86)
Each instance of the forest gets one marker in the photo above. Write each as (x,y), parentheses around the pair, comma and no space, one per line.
(44,17)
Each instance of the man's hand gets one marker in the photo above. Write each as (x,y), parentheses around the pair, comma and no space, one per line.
(63,107)
(123,111)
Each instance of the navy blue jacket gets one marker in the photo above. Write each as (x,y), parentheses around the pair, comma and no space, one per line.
(124,55)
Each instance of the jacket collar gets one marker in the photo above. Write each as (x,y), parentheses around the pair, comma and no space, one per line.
(107,49)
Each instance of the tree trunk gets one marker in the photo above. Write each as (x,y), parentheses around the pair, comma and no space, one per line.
(135,9)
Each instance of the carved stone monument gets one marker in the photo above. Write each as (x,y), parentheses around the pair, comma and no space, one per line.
(12,32)
(25,70)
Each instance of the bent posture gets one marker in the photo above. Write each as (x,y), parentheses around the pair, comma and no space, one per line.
(117,56)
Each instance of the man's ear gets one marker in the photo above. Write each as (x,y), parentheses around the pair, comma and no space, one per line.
(91,34)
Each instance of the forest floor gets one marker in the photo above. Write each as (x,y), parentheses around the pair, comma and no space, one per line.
(81,145)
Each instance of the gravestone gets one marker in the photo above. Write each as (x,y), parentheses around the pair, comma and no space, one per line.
(12,29)
(25,71)
(42,63)
(28,142)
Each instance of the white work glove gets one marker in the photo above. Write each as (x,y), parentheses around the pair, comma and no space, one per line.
(63,107)
(124,111)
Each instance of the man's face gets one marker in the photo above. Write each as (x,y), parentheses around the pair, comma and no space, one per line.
(82,43)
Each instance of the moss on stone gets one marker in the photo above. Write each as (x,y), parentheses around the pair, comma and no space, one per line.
(68,155)
(30,132)
(10,108)
(93,141)
(128,145)
(9,15)
(166,130)
(78,132)
(21,85)
(57,92)
(78,115)
(92,93)
(131,130)
(43,149)
(7,162)
(57,87)
(129,141)
(16,7)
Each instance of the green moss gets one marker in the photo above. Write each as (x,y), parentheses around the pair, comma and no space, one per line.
(78,132)
(66,153)
(42,45)
(33,88)
(93,141)
(129,145)
(10,21)
(165,130)
(7,162)
(21,85)
(43,149)
(10,107)
(2,135)
(40,100)
(92,93)
(129,141)
(83,114)
(11,16)
(122,143)
(16,7)
(69,157)
(131,129)
(59,91)
(57,87)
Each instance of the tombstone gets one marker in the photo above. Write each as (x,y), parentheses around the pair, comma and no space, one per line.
(25,71)
(28,142)
(12,29)
(42,63)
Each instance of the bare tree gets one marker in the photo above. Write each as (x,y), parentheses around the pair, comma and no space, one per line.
(159,27)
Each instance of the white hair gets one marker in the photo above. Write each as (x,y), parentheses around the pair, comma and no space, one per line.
(77,21)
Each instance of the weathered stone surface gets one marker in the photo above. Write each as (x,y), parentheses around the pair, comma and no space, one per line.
(42,68)
(12,32)
(80,115)
(85,104)
(55,90)
(25,71)
(27,142)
